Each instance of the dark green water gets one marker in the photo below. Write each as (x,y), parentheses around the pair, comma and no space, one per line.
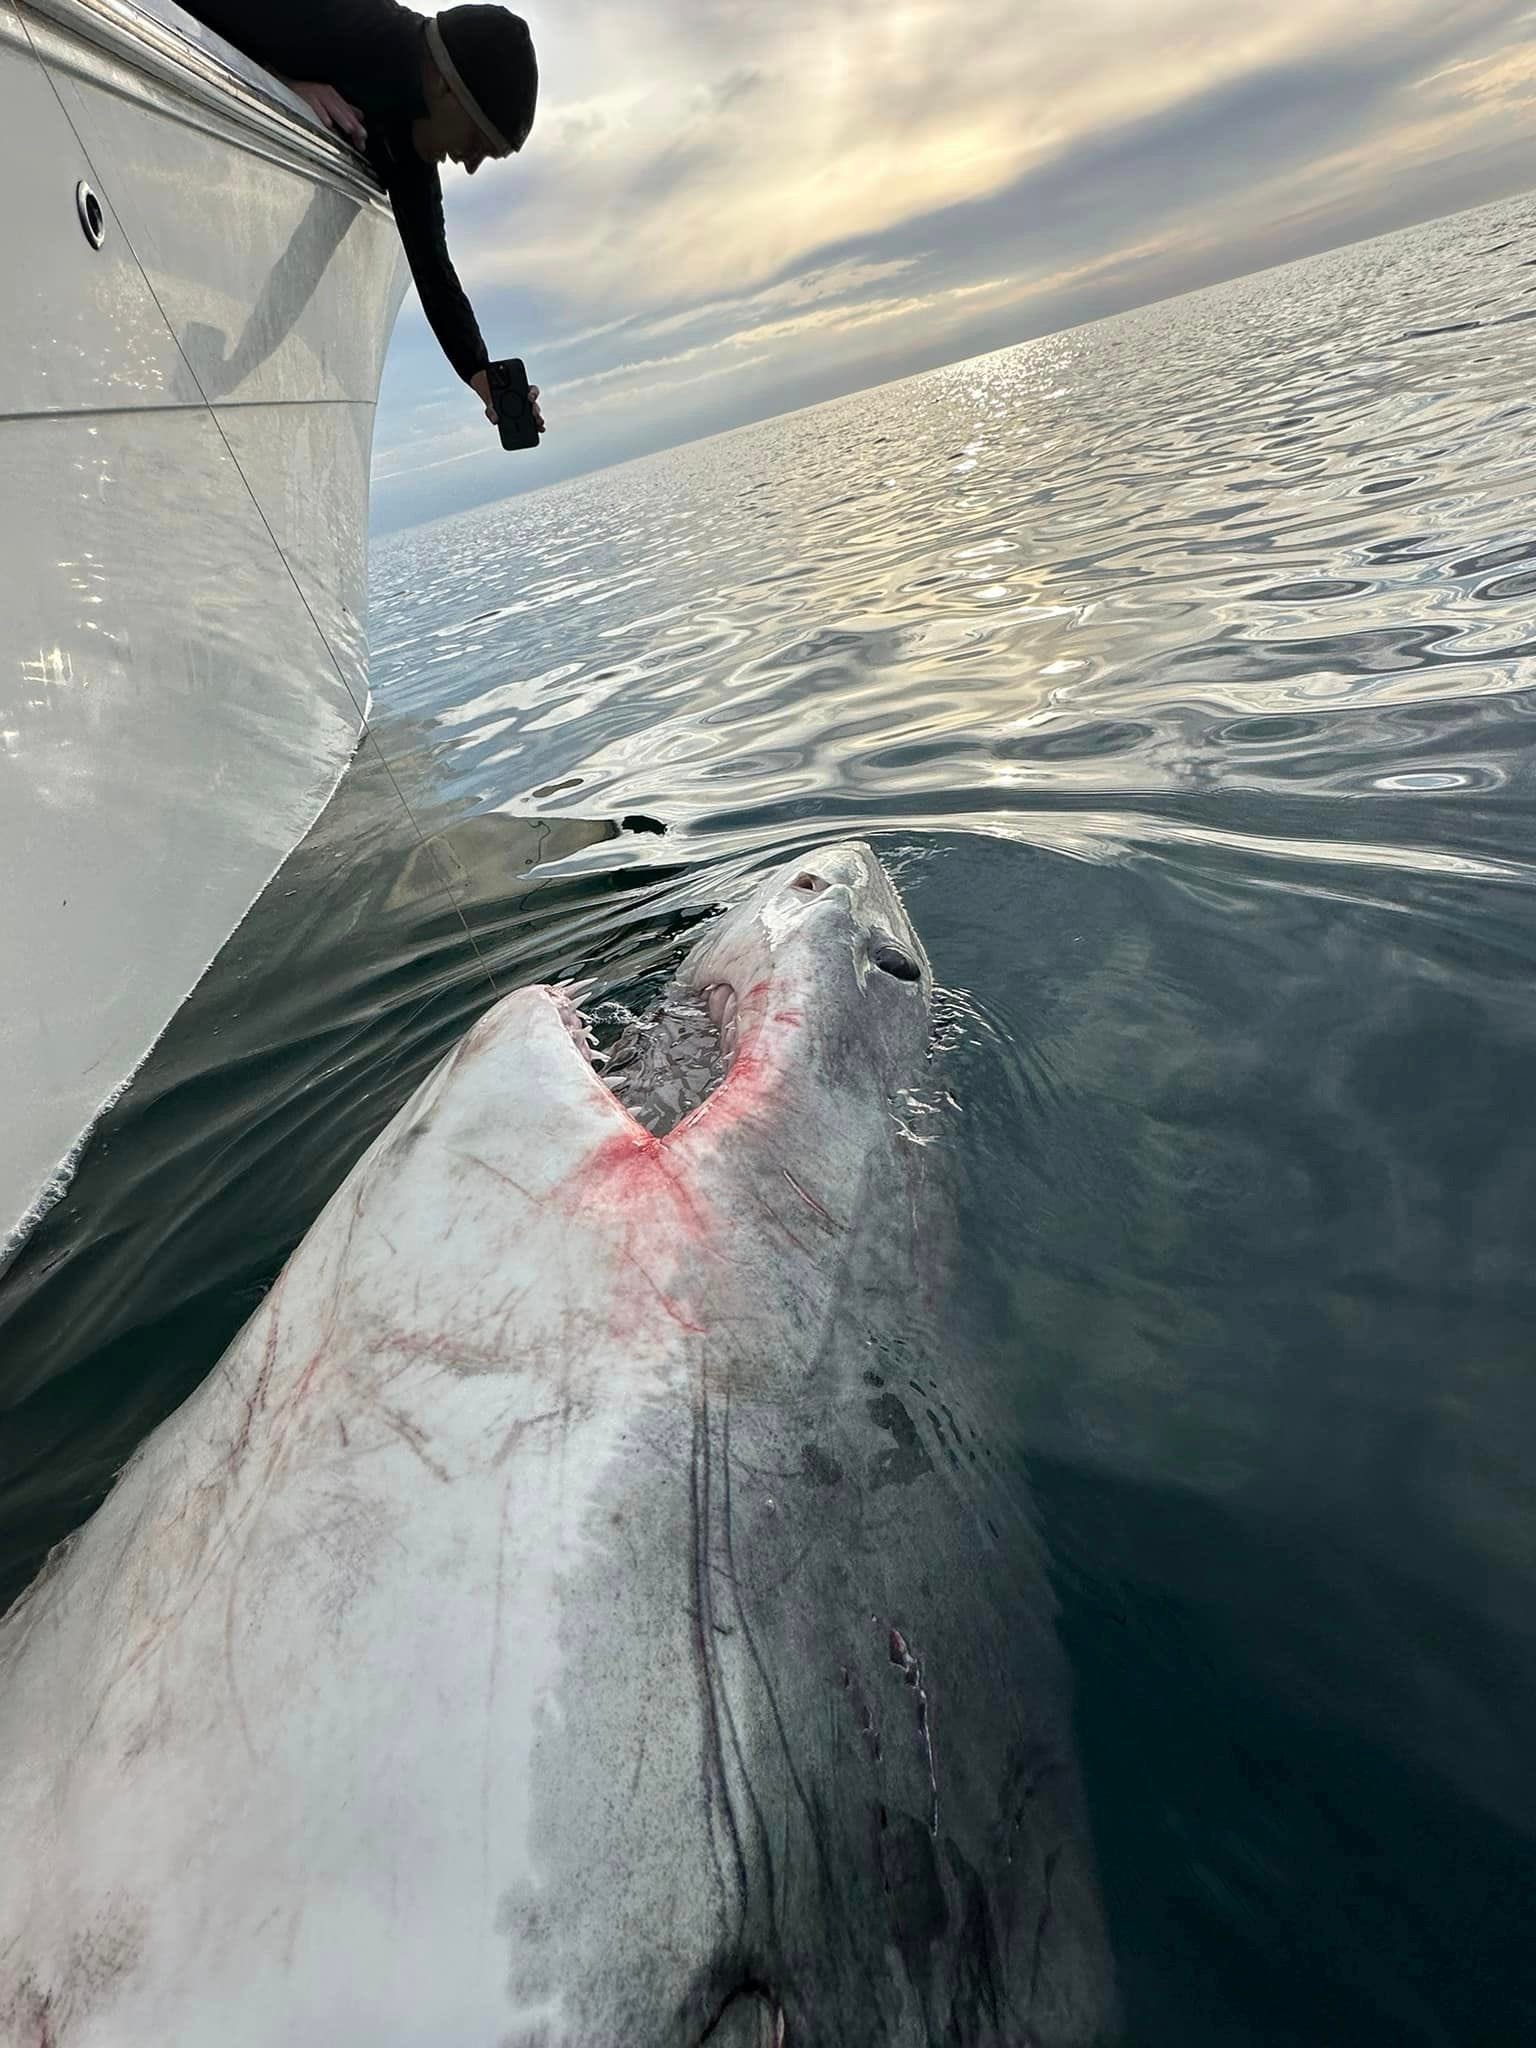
(1182,670)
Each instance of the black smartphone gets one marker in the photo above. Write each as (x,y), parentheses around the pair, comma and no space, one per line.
(514,408)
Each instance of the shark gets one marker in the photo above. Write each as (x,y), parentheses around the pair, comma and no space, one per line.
(587,1604)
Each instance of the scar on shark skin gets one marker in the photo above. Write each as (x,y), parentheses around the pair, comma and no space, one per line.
(811,1202)
(912,1671)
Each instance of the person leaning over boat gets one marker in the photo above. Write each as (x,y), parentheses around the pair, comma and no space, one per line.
(408,92)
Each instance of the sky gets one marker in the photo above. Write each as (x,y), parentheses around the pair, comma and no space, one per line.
(728,210)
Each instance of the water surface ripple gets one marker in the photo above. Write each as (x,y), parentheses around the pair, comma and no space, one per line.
(1206,568)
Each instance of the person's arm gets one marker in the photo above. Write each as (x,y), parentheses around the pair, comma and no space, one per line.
(416,194)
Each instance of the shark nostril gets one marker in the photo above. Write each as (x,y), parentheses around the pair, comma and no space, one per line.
(893,960)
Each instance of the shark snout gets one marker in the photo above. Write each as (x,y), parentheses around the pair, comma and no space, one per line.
(843,884)
(777,951)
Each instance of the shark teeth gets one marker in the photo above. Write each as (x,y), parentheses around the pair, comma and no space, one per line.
(720,1002)
(568,995)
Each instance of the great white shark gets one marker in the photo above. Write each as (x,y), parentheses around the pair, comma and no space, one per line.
(582,1610)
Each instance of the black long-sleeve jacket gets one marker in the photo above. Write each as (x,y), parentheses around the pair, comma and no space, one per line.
(371,51)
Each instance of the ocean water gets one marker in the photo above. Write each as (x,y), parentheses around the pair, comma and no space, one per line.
(1183,670)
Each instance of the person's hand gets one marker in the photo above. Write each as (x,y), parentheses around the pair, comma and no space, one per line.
(481,383)
(338,114)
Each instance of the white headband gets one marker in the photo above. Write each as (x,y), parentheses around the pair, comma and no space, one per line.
(461,91)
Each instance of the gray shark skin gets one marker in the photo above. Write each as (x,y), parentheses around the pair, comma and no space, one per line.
(582,1609)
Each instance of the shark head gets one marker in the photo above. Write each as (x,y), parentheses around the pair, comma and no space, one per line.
(806,1002)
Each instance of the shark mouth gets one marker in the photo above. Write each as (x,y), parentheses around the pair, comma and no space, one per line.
(666,1062)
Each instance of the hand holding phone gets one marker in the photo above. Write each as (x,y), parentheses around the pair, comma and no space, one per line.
(515,418)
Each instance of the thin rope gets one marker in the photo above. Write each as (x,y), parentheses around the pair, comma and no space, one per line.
(367,736)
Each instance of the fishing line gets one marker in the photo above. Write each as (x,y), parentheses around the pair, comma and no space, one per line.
(366,730)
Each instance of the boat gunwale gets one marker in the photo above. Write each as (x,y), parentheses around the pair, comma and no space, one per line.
(231,88)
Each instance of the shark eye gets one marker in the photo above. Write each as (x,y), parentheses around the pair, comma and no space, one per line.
(890,959)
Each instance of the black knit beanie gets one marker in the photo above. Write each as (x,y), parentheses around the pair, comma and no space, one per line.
(486,56)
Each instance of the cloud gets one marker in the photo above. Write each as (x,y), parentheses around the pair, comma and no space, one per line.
(1502,78)
(881,114)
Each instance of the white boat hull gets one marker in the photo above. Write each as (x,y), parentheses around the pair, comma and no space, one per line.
(186,417)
